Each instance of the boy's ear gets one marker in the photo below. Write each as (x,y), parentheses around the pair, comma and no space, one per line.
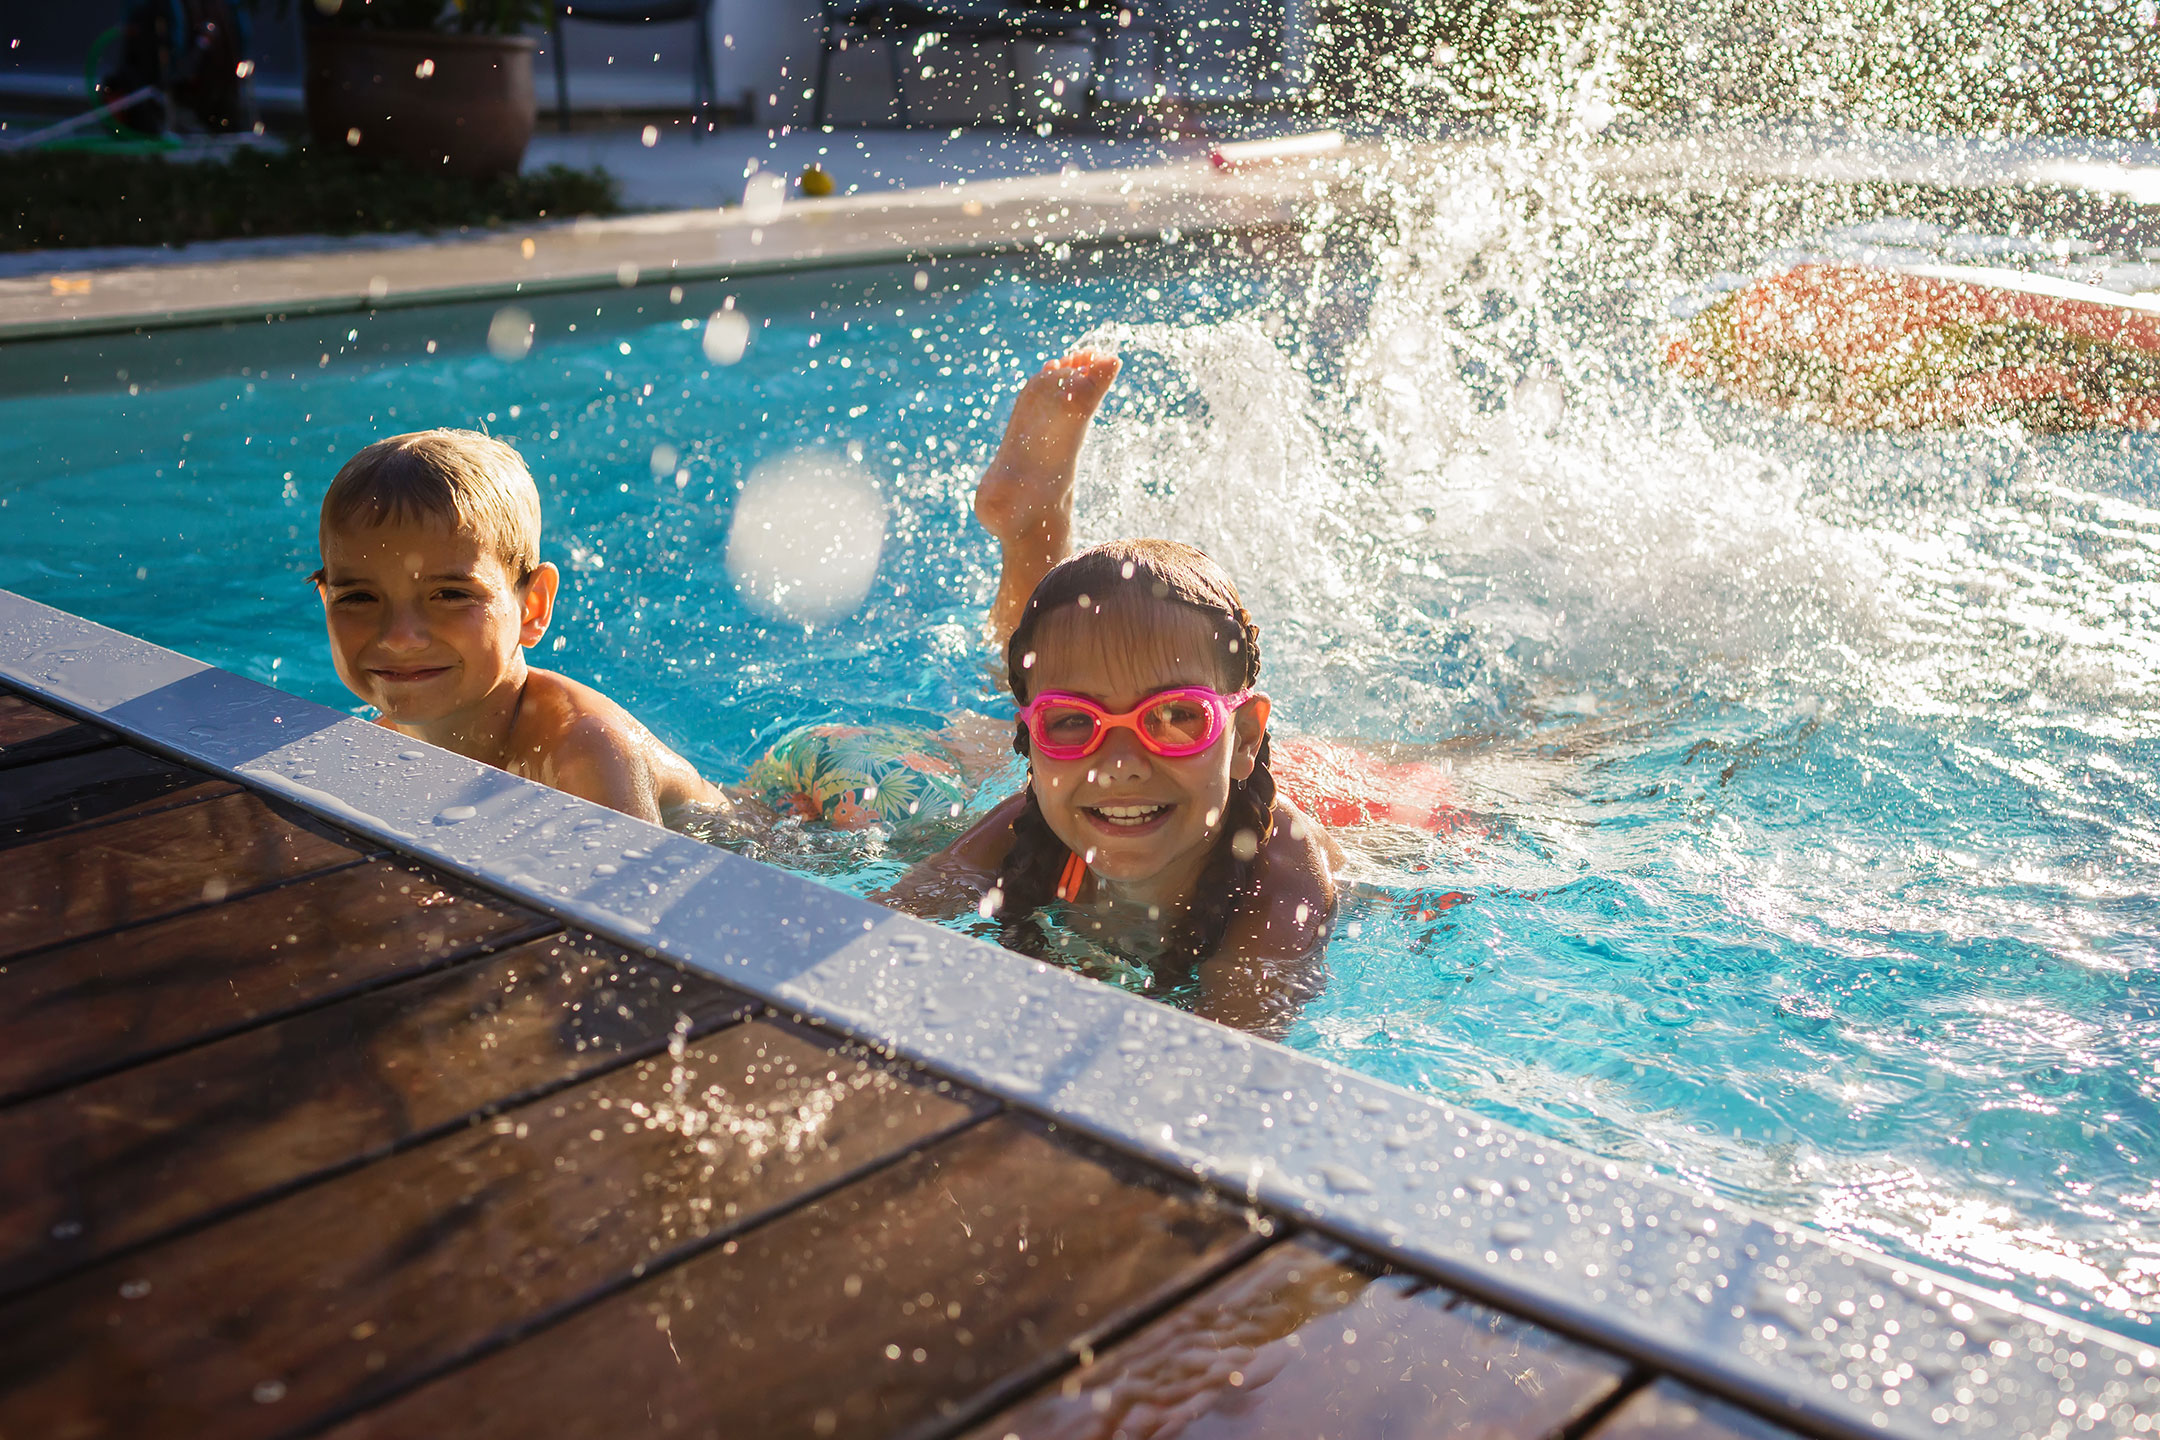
(540,588)
(1249,726)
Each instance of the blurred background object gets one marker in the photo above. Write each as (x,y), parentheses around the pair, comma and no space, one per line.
(421,84)
(705,88)
(758,61)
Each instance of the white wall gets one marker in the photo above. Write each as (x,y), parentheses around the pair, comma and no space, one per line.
(761,38)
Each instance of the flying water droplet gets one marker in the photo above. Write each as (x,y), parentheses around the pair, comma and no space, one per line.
(764,196)
(806,538)
(510,333)
(727,336)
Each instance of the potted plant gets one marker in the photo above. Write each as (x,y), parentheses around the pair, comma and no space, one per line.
(442,85)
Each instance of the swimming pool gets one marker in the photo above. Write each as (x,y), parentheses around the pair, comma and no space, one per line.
(1813,775)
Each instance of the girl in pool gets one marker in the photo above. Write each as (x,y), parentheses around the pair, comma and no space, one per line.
(1150,825)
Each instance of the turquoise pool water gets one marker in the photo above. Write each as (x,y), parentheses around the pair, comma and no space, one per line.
(1816,838)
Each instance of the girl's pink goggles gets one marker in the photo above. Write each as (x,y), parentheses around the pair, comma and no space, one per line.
(1172,723)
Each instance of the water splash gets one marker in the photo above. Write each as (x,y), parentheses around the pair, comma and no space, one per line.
(1820,764)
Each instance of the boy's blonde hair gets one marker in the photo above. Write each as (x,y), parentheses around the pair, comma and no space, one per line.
(464,479)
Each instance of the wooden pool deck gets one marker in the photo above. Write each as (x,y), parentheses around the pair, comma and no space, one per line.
(301,1138)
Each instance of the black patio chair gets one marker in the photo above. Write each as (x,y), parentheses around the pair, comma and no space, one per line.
(1098,20)
(706,94)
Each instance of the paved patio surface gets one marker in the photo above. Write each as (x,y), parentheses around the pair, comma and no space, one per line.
(683,182)
(681,169)
(669,247)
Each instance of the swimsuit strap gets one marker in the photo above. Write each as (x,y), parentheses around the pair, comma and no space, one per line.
(1071,878)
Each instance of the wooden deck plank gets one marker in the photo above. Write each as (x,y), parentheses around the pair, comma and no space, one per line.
(311,1306)
(1299,1342)
(903,1298)
(1669,1410)
(29,732)
(84,881)
(121,1160)
(96,785)
(102,1004)
(22,720)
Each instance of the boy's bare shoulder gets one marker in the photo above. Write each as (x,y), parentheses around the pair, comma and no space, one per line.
(576,739)
(558,705)
(585,743)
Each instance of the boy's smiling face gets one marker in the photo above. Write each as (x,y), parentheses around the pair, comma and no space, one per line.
(1144,823)
(426,621)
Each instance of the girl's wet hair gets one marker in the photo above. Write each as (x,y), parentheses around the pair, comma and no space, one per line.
(1121,577)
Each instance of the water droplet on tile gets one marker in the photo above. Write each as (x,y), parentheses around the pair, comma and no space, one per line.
(1344,1180)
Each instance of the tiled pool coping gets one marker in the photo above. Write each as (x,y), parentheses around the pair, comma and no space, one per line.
(1802,1328)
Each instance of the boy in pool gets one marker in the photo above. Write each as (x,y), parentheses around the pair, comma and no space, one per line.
(433,587)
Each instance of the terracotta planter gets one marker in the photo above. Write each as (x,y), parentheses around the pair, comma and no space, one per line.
(456,103)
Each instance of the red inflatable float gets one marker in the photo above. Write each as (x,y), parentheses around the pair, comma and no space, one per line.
(1341,787)
(1928,346)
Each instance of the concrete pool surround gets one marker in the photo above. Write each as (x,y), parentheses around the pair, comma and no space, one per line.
(1810,1331)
